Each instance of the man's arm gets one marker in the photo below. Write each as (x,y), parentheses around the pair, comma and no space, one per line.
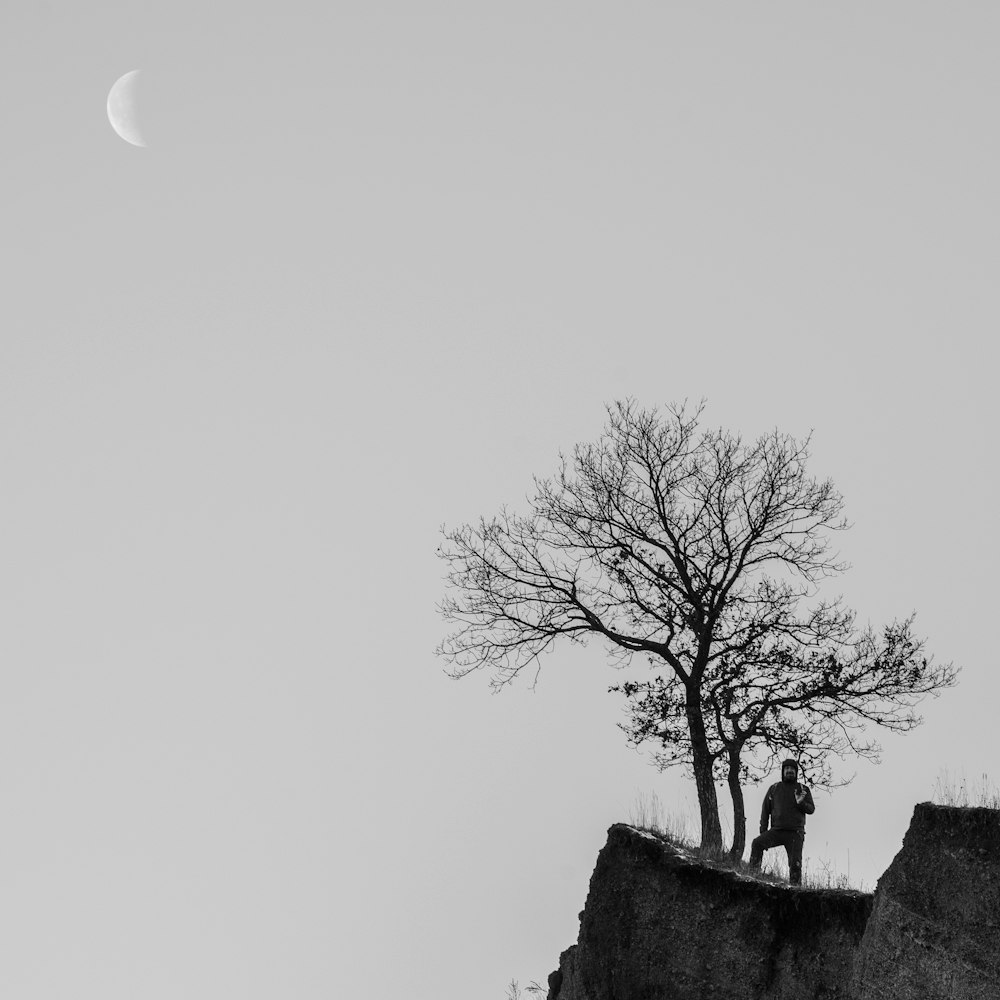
(804,800)
(765,812)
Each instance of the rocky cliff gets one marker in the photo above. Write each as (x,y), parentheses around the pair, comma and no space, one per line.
(661,925)
(934,931)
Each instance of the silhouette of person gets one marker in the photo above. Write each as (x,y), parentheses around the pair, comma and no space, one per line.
(786,805)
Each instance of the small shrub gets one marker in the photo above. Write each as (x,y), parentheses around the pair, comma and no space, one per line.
(824,876)
(514,991)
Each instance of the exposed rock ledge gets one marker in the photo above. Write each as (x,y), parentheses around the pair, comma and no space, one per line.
(661,925)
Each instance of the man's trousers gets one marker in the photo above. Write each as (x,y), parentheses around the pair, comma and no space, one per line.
(791,840)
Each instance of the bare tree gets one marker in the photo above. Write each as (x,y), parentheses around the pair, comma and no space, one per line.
(654,540)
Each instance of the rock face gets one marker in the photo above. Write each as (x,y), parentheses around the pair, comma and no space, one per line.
(660,925)
(934,931)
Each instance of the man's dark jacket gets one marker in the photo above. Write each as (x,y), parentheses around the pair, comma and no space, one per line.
(781,809)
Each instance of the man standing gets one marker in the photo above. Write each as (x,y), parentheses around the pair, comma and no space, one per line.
(786,805)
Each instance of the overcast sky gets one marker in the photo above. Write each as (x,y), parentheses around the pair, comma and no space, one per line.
(378,264)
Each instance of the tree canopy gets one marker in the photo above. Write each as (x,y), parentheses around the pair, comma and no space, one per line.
(694,551)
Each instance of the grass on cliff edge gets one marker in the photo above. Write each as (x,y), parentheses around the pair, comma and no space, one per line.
(647,814)
(950,790)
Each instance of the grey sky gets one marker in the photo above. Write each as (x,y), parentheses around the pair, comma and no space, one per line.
(378,264)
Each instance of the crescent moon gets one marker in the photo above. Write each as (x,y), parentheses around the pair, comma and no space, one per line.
(122,110)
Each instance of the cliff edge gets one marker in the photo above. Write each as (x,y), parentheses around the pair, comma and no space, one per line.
(660,924)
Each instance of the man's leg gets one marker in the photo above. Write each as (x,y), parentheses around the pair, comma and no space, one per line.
(794,847)
(767,840)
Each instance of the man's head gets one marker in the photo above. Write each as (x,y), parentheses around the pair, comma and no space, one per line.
(789,770)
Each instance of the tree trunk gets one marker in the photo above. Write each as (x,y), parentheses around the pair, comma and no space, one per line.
(739,809)
(708,803)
